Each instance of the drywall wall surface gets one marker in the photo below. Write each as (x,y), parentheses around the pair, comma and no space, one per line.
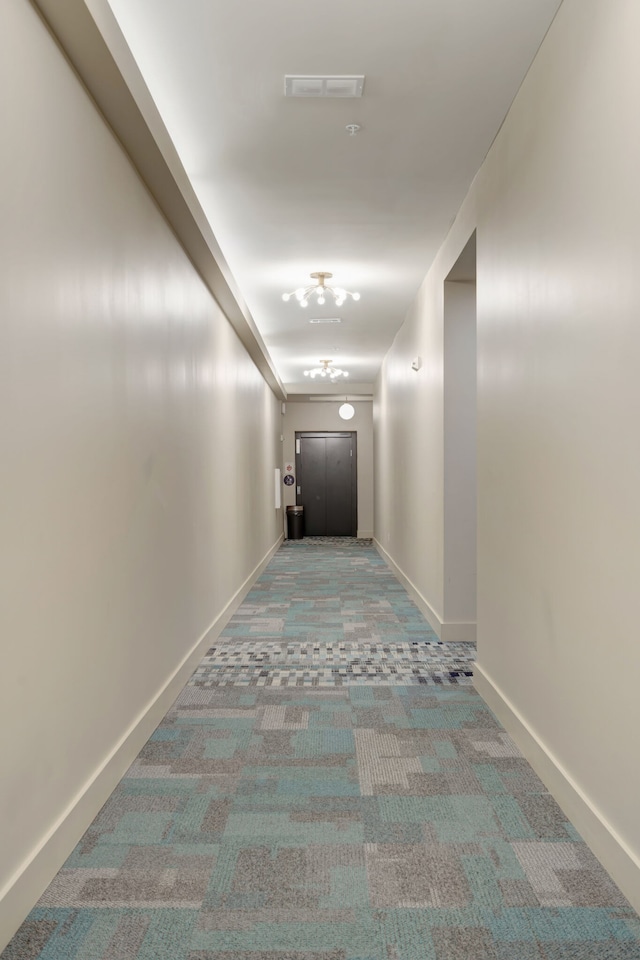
(558,397)
(409,436)
(139,444)
(323,415)
(460,483)
(409,452)
(556,206)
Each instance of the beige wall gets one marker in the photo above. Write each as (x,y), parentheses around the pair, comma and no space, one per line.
(459,460)
(409,448)
(139,444)
(324,416)
(557,207)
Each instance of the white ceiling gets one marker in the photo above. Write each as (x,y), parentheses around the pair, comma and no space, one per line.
(287,191)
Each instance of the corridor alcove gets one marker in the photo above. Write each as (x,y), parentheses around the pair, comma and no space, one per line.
(460,411)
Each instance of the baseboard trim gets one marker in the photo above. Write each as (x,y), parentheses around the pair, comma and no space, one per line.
(458,630)
(423,605)
(37,871)
(608,846)
(449,631)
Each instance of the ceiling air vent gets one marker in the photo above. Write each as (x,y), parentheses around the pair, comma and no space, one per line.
(350,86)
(325,320)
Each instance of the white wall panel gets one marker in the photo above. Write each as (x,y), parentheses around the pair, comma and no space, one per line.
(460,482)
(559,396)
(409,421)
(557,207)
(139,444)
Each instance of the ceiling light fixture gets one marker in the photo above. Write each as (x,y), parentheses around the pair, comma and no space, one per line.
(319,289)
(326,371)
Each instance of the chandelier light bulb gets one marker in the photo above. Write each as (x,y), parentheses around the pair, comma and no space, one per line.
(321,288)
(326,370)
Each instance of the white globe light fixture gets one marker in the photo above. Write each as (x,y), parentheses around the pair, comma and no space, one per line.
(346,411)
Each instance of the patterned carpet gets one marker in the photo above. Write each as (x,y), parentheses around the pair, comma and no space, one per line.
(328,611)
(334,817)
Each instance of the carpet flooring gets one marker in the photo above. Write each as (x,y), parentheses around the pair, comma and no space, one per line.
(329,611)
(292,807)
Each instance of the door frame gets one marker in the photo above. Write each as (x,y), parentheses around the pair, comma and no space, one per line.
(320,434)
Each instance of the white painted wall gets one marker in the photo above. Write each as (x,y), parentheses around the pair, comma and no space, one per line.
(409,452)
(324,416)
(557,207)
(460,415)
(139,444)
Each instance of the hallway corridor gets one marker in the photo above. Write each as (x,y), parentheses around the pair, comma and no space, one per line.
(329,786)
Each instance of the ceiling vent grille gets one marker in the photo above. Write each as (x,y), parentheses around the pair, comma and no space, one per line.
(325,320)
(298,86)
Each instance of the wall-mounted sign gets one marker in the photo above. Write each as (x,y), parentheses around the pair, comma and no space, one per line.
(288,479)
(288,468)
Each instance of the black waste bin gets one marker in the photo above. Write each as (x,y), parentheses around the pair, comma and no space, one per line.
(295,522)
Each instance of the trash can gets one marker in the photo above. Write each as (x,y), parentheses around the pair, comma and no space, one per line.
(295,522)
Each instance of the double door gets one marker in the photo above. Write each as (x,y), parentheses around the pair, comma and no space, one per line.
(326,471)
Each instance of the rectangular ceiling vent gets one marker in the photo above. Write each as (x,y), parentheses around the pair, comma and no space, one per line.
(340,396)
(325,319)
(348,86)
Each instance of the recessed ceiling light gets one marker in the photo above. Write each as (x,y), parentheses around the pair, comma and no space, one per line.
(319,86)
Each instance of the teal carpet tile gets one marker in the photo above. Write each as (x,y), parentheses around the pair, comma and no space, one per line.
(327,612)
(349,820)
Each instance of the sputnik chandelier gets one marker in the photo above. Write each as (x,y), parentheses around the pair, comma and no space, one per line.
(326,371)
(320,288)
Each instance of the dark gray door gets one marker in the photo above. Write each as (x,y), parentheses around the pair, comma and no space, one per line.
(327,483)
